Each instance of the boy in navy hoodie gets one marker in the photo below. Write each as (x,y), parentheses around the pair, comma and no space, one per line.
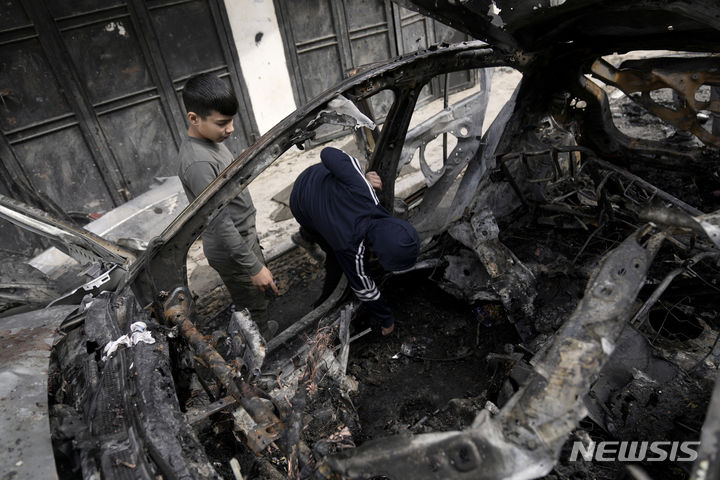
(336,206)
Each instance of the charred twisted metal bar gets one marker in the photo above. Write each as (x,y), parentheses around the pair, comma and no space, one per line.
(510,279)
(266,427)
(705,223)
(344,337)
(683,75)
(84,246)
(640,315)
(283,338)
(644,183)
(524,440)
(464,120)
(710,223)
(611,142)
(295,447)
(661,215)
(514,283)
(197,415)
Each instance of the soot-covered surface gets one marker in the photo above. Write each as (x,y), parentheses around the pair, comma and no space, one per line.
(432,372)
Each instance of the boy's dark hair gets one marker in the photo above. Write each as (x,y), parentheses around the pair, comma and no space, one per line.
(205,92)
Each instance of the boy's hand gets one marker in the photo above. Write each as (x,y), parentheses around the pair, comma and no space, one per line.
(264,280)
(374,180)
(387,330)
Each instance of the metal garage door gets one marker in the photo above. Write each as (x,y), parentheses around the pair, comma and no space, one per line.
(325,39)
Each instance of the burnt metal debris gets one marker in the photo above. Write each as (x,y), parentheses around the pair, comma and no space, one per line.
(634,219)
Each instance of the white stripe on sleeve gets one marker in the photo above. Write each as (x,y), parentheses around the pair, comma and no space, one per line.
(355,164)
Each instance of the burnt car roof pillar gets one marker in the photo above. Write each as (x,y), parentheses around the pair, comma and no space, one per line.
(388,150)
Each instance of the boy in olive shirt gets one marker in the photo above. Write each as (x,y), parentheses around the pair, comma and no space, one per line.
(230,242)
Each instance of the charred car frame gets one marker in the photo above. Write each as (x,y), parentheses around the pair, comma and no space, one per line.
(553,156)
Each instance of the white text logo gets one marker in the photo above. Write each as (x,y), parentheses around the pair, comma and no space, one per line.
(635,451)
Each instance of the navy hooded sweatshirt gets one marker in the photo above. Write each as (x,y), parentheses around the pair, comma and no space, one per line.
(334,199)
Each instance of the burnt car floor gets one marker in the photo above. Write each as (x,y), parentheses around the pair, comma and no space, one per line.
(565,292)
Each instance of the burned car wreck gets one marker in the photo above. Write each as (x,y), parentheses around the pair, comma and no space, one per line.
(597,249)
